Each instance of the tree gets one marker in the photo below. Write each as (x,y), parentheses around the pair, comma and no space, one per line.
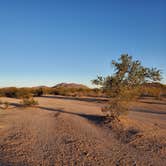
(38,92)
(124,83)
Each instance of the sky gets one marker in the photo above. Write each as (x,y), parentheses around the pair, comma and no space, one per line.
(45,42)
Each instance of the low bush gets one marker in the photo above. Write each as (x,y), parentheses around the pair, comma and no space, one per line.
(23,93)
(156,90)
(115,108)
(9,92)
(37,92)
(27,102)
(20,93)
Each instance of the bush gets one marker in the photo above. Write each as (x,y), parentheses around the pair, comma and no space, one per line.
(20,93)
(37,92)
(27,102)
(76,92)
(115,108)
(124,84)
(23,93)
(156,92)
(9,92)
(13,92)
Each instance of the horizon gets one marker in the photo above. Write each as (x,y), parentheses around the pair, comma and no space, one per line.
(52,85)
(49,42)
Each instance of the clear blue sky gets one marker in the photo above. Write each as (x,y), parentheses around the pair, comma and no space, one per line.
(44,42)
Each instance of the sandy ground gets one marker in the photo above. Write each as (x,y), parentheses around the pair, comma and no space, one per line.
(68,131)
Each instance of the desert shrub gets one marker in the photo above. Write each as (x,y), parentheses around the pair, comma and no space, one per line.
(23,93)
(9,92)
(13,92)
(65,91)
(115,108)
(59,91)
(125,83)
(1,93)
(19,93)
(37,92)
(27,102)
(47,90)
(76,92)
(149,91)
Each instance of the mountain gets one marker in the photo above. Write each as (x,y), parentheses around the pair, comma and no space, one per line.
(70,85)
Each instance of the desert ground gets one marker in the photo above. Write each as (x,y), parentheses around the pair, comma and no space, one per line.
(70,131)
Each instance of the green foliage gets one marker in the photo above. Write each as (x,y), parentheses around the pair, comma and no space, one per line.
(128,74)
(125,83)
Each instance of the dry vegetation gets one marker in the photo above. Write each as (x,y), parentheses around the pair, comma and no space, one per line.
(49,134)
(156,90)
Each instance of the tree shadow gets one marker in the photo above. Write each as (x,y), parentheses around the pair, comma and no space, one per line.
(149,111)
(96,100)
(15,104)
(153,102)
(97,119)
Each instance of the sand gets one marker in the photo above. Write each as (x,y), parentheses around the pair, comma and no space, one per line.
(69,131)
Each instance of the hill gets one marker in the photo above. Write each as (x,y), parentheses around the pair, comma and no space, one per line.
(70,85)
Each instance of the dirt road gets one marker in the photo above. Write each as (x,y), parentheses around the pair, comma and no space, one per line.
(67,131)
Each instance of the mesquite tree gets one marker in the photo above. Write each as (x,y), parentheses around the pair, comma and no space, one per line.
(124,83)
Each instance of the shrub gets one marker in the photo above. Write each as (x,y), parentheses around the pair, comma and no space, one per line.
(115,108)
(37,92)
(27,102)
(152,91)
(23,93)
(124,84)
(10,92)
(16,92)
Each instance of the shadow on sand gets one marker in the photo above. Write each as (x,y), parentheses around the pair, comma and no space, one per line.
(97,100)
(149,111)
(97,119)
(153,102)
(16,104)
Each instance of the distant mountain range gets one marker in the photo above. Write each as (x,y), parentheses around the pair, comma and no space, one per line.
(70,85)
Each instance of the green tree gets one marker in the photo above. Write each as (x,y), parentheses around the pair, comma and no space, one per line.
(124,83)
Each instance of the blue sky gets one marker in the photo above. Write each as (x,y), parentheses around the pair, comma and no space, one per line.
(44,42)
